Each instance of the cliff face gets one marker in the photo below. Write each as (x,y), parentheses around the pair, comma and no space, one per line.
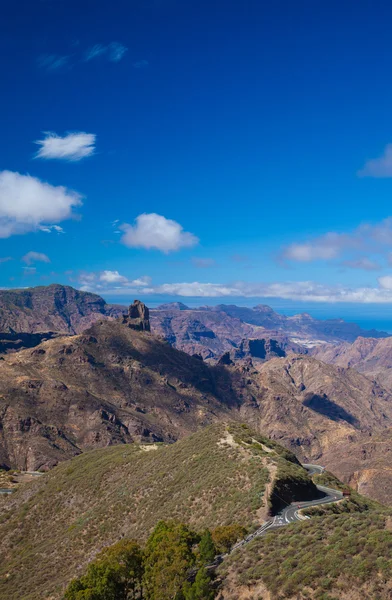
(54,308)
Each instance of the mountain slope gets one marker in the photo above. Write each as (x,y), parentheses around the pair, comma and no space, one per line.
(371,356)
(311,408)
(331,557)
(111,384)
(56,308)
(65,517)
(299,326)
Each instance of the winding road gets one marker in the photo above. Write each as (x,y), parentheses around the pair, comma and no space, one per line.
(290,514)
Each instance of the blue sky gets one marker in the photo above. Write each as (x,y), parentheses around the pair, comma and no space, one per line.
(208,149)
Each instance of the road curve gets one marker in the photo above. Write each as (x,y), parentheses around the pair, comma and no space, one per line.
(290,514)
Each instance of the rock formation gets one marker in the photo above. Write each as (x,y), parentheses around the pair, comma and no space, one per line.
(138,316)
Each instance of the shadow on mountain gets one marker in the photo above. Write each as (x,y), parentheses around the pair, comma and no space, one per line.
(324,406)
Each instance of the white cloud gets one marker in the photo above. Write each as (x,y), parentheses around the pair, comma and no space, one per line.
(52,62)
(303,291)
(379,167)
(113,52)
(28,204)
(50,228)
(332,245)
(385,282)
(71,147)
(155,231)
(104,280)
(325,247)
(32,257)
(112,277)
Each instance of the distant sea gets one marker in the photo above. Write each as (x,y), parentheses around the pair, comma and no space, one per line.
(368,316)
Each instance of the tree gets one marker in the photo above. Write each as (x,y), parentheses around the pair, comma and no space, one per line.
(201,589)
(168,557)
(128,557)
(101,582)
(225,536)
(116,574)
(207,550)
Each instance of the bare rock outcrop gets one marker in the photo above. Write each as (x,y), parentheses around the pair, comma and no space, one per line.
(138,317)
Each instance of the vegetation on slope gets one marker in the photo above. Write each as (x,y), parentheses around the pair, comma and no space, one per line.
(171,565)
(55,526)
(292,481)
(330,557)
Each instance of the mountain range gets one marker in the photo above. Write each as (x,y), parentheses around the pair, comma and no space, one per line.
(117,382)
(198,415)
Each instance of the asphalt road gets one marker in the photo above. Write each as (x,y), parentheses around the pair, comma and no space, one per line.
(290,514)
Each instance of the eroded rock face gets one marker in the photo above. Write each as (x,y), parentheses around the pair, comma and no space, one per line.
(53,308)
(138,317)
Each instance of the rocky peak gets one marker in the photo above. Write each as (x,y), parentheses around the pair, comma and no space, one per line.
(138,316)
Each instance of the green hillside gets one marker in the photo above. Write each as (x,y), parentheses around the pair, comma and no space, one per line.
(343,553)
(50,529)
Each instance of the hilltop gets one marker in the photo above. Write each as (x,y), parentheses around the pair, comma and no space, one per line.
(219,475)
(112,384)
(53,308)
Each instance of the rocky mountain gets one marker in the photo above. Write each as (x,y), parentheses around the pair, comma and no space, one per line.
(212,333)
(370,356)
(54,308)
(213,330)
(302,327)
(114,383)
(310,406)
(117,383)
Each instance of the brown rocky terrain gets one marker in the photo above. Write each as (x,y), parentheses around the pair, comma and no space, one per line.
(212,333)
(310,405)
(118,383)
(370,356)
(52,308)
(302,326)
(114,383)
(213,330)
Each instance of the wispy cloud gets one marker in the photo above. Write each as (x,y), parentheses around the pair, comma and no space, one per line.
(304,291)
(203,263)
(364,263)
(141,64)
(53,62)
(33,257)
(50,228)
(371,238)
(157,232)
(112,52)
(378,167)
(28,204)
(71,147)
(94,52)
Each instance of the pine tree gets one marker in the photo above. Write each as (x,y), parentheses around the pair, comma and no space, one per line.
(207,550)
(201,589)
